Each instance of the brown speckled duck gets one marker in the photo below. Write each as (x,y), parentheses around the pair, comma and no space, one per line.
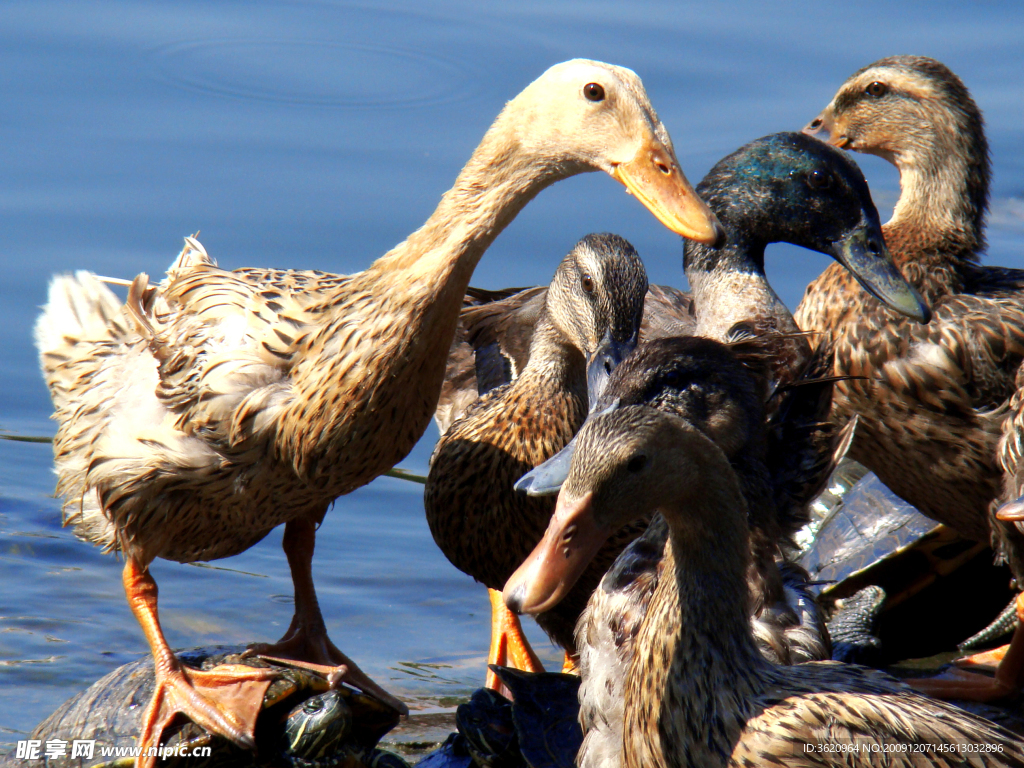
(782,461)
(588,321)
(698,692)
(223,404)
(938,405)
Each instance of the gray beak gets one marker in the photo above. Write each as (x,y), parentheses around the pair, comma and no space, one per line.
(869,261)
(546,479)
(606,359)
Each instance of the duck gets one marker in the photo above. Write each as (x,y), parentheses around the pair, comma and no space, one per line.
(767,191)
(589,320)
(217,405)
(698,691)
(938,406)
(783,452)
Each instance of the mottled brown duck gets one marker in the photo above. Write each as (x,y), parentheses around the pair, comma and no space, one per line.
(588,321)
(222,404)
(939,405)
(698,692)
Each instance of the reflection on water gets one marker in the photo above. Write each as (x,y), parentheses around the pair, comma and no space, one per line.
(317,135)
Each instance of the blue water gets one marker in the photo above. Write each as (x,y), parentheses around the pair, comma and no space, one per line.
(317,135)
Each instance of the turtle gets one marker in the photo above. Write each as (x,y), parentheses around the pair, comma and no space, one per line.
(539,728)
(897,584)
(303,721)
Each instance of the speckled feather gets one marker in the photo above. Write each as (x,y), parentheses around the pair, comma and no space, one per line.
(492,344)
(939,412)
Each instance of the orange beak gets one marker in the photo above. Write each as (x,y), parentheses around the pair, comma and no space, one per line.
(654,178)
(571,541)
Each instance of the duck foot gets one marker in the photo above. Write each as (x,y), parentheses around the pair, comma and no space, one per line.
(306,640)
(314,651)
(1009,673)
(966,685)
(224,700)
(987,660)
(509,646)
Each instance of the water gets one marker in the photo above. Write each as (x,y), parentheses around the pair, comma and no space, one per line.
(317,135)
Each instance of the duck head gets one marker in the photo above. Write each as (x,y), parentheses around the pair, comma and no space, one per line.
(916,113)
(596,300)
(585,115)
(792,188)
(694,380)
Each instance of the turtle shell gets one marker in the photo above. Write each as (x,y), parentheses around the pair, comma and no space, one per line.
(939,587)
(874,537)
(303,723)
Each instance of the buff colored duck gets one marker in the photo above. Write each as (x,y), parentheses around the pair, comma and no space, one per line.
(699,693)
(939,406)
(222,404)
(588,321)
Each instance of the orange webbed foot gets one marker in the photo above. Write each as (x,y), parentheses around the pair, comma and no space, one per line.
(509,646)
(224,700)
(314,651)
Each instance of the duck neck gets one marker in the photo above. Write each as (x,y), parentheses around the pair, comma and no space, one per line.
(688,686)
(730,289)
(944,187)
(554,359)
(500,178)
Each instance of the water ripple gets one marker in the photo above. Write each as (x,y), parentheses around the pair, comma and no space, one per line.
(314,73)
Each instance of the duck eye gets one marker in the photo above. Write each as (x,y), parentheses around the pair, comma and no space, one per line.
(877,89)
(637,463)
(587,282)
(818,179)
(594,91)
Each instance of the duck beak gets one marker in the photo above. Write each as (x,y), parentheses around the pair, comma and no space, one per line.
(867,257)
(546,479)
(654,178)
(823,127)
(606,359)
(571,541)
(1011,512)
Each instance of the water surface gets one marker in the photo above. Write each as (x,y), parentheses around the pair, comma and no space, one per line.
(317,135)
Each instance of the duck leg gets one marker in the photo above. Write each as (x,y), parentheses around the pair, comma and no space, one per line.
(224,700)
(509,646)
(306,639)
(1008,680)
